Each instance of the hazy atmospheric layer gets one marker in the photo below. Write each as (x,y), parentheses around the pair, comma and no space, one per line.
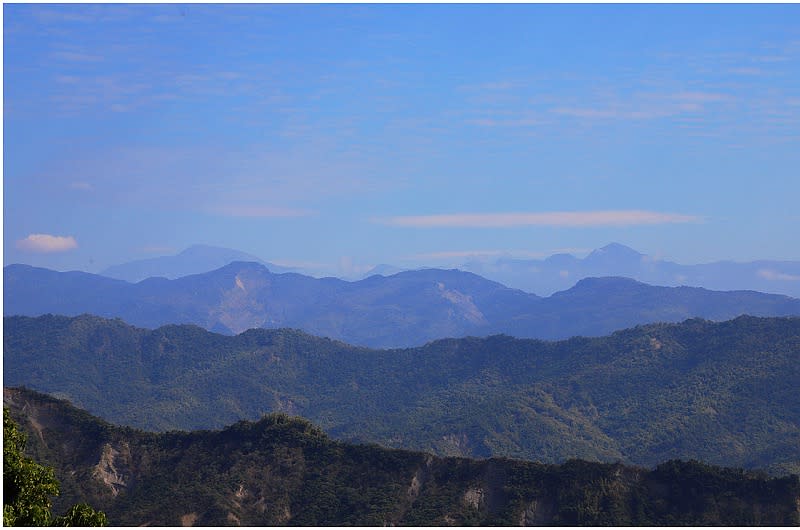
(338,137)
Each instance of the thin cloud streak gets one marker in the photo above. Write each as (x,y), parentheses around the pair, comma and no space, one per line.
(489,122)
(772,275)
(647,106)
(158,249)
(259,211)
(77,57)
(512,254)
(487,254)
(81,185)
(567,219)
(447,254)
(46,243)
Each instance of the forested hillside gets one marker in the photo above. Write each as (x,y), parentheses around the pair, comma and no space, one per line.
(724,393)
(285,471)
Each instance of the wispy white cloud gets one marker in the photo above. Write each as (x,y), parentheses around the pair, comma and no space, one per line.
(646,106)
(700,97)
(747,70)
(67,79)
(348,268)
(514,122)
(81,185)
(300,264)
(240,210)
(80,57)
(115,93)
(259,181)
(46,243)
(773,275)
(770,58)
(83,13)
(490,254)
(491,85)
(586,112)
(49,16)
(448,254)
(513,219)
(156,249)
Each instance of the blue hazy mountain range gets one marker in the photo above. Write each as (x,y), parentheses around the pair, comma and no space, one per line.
(540,276)
(406,309)
(194,260)
(561,271)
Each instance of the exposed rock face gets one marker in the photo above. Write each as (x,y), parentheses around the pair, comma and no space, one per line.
(539,512)
(463,304)
(239,308)
(416,484)
(113,469)
(474,498)
(455,444)
(421,475)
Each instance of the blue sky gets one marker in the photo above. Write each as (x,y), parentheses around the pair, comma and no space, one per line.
(337,137)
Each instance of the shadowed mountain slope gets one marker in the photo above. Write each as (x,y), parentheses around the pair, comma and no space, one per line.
(284,471)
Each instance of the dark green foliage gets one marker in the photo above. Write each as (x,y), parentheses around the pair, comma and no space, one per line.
(715,495)
(29,486)
(80,515)
(284,471)
(723,393)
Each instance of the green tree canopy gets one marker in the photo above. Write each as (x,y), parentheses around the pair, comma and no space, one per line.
(28,487)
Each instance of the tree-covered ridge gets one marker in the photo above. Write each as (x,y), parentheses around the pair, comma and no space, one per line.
(723,393)
(285,471)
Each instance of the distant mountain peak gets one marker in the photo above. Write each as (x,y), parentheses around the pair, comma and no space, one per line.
(202,248)
(383,269)
(615,251)
(239,266)
(195,259)
(605,281)
(561,259)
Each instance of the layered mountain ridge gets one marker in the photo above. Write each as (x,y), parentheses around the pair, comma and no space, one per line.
(541,276)
(724,393)
(560,271)
(406,309)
